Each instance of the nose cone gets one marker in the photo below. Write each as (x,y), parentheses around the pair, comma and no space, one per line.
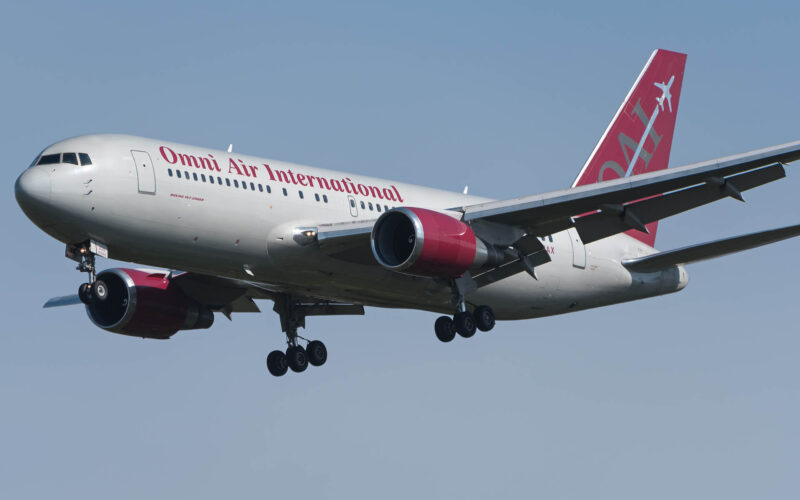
(33,191)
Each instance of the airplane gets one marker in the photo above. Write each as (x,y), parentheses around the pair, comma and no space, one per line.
(665,93)
(218,230)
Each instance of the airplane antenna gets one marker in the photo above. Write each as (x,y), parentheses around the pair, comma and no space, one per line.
(230,148)
(466,189)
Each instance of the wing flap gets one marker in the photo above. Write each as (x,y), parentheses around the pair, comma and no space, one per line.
(613,220)
(704,251)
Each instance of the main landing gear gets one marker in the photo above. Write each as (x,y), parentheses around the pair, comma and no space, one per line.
(296,357)
(464,322)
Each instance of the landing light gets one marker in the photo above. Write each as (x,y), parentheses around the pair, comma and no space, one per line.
(305,235)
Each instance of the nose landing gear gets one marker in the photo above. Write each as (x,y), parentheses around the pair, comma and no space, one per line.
(94,290)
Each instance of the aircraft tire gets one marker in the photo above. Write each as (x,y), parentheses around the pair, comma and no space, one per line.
(445,329)
(297,359)
(276,363)
(85,293)
(99,291)
(465,324)
(317,353)
(484,318)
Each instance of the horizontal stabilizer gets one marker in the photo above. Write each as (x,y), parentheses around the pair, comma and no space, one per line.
(66,300)
(703,251)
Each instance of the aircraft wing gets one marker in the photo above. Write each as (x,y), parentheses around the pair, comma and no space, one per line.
(704,251)
(606,208)
(229,295)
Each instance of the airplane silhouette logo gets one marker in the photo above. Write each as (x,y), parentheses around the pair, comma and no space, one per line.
(665,94)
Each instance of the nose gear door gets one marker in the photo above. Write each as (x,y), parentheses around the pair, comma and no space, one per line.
(145,172)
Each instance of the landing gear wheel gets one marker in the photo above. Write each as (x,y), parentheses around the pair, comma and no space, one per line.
(276,363)
(85,293)
(296,358)
(465,324)
(484,318)
(317,353)
(445,328)
(100,291)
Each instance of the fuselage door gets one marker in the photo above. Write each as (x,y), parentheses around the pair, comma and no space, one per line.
(145,172)
(578,249)
(353,207)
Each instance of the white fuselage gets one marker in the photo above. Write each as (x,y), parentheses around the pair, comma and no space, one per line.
(197,224)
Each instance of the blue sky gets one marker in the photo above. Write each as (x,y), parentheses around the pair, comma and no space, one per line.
(690,395)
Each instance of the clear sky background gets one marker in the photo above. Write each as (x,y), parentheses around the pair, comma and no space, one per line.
(694,395)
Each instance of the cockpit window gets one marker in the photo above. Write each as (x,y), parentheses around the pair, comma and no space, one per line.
(69,158)
(85,160)
(49,159)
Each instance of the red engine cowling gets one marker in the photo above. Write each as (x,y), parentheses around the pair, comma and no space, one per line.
(142,304)
(428,243)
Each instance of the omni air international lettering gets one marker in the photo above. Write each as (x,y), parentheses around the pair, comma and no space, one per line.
(239,167)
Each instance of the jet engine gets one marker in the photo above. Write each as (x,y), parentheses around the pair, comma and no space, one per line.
(427,243)
(142,304)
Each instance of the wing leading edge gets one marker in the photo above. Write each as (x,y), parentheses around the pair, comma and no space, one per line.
(606,208)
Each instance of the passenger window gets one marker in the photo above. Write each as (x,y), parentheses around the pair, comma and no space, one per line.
(244,186)
(194,175)
(363,207)
(235,183)
(377,207)
(325,198)
(85,160)
(169,171)
(252,186)
(49,159)
(186,174)
(228,182)
(316,196)
(386,207)
(370,206)
(211,179)
(269,189)
(203,177)
(285,193)
(70,158)
(353,203)
(178,173)
(260,188)
(300,193)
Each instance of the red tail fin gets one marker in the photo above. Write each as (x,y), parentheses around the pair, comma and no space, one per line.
(639,138)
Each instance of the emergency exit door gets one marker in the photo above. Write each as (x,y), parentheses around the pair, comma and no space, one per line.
(145,172)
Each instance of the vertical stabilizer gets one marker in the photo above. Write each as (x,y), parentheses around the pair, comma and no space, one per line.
(639,138)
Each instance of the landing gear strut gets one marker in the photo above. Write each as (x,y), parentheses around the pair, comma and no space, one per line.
(463,322)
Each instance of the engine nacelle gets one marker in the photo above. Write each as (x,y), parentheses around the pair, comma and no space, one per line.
(428,243)
(142,304)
